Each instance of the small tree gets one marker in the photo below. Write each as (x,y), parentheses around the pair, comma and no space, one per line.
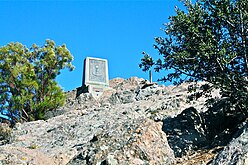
(208,42)
(27,78)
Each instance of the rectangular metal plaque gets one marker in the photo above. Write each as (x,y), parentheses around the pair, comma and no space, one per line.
(96,72)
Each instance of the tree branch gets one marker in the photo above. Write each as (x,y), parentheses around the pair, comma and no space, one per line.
(188,74)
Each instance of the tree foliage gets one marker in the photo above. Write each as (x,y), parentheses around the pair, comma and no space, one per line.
(27,78)
(207,42)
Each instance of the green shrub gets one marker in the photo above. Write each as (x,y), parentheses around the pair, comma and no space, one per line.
(207,42)
(27,78)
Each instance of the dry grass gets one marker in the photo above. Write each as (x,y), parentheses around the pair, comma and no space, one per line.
(201,157)
(5,133)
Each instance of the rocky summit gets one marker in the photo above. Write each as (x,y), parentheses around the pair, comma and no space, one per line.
(135,122)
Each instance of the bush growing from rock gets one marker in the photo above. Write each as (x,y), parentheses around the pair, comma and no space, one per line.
(27,78)
(207,42)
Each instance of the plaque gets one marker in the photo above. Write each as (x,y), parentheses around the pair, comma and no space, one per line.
(96,75)
(97,70)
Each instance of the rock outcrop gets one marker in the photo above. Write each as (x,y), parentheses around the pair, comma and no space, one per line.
(135,122)
(236,152)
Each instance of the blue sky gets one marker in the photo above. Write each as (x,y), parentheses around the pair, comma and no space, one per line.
(117,30)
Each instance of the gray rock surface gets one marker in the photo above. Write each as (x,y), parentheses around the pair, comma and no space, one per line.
(89,137)
(186,132)
(128,124)
(89,131)
(236,152)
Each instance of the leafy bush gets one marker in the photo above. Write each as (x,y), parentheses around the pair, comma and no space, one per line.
(207,42)
(27,78)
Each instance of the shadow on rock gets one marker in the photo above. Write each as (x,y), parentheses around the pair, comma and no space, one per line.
(185,132)
(190,130)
